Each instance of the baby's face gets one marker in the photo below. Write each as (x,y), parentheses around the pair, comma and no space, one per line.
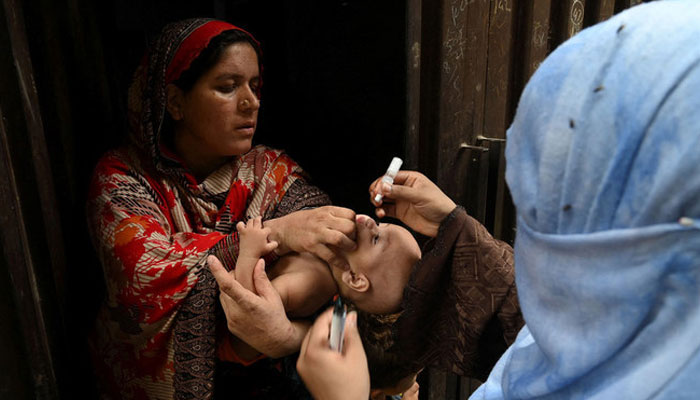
(379,246)
(385,253)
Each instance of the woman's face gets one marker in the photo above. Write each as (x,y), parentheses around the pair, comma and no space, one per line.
(216,119)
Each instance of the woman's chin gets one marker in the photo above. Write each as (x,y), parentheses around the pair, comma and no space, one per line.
(241,147)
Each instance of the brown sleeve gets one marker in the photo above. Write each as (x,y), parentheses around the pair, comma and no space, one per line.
(460,307)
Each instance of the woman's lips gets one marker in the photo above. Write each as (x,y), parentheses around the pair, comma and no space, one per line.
(246,129)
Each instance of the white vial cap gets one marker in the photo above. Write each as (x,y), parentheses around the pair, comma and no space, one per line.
(394,167)
(685,221)
(388,177)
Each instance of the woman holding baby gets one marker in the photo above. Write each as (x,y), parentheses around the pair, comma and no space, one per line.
(172,196)
(190,192)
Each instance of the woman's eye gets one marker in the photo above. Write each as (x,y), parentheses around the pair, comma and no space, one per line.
(227,88)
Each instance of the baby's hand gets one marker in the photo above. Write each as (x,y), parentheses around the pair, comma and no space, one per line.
(253,238)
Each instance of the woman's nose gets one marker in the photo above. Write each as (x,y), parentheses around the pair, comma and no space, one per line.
(249,102)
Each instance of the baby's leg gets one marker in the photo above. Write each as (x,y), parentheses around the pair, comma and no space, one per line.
(304,283)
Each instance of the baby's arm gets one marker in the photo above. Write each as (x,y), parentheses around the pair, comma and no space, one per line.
(304,283)
(253,245)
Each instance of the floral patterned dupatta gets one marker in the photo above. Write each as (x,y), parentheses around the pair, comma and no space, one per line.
(153,225)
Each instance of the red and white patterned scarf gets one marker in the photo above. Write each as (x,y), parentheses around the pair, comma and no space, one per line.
(153,226)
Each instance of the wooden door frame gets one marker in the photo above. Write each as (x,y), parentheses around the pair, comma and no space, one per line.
(467,63)
(32,244)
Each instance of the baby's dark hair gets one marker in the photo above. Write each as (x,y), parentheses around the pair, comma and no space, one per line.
(212,54)
(386,364)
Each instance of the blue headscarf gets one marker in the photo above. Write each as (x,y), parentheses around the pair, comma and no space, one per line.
(603,162)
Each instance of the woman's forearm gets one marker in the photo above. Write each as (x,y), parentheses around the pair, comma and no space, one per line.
(300,328)
(247,352)
(293,343)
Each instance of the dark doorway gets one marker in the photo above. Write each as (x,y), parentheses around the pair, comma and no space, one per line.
(333,98)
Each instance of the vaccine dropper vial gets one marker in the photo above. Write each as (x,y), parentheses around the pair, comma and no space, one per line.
(389,176)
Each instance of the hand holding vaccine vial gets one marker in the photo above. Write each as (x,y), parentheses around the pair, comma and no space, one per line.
(389,175)
(338,326)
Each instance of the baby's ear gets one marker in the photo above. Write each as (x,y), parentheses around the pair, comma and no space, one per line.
(355,281)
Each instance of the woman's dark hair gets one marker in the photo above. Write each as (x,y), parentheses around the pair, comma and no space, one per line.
(212,54)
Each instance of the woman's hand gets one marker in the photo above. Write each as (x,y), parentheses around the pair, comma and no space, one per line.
(257,319)
(321,231)
(327,373)
(412,392)
(414,199)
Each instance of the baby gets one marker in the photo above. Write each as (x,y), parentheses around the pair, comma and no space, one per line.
(379,268)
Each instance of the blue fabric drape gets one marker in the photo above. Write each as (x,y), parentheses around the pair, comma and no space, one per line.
(603,163)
